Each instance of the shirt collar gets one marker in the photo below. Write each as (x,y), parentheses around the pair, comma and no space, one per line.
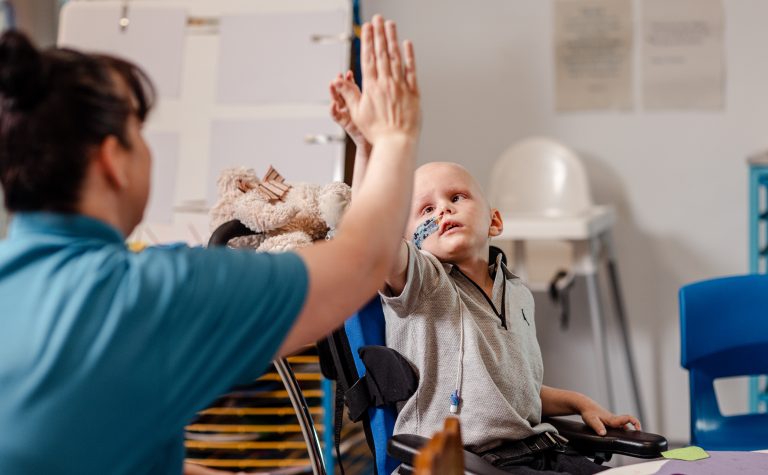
(500,264)
(448,267)
(72,226)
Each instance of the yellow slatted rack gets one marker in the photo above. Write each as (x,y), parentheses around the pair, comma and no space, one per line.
(254,428)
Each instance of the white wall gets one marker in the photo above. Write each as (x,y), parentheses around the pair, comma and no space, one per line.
(679,180)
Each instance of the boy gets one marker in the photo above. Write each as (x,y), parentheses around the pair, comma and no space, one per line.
(468,327)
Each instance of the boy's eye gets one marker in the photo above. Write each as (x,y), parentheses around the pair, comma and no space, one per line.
(457,197)
(427,209)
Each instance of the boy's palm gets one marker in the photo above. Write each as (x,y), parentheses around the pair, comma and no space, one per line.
(340,111)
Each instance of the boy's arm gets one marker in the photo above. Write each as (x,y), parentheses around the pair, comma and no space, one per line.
(348,270)
(559,402)
(398,275)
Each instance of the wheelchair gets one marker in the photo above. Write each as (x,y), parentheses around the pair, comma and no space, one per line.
(340,360)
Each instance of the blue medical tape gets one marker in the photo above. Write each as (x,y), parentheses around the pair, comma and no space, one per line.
(424,230)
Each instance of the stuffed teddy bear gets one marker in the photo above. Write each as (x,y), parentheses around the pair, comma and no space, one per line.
(283,216)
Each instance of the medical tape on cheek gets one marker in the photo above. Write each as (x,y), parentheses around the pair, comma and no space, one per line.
(424,230)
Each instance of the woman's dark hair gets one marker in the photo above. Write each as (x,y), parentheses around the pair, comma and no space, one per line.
(56,105)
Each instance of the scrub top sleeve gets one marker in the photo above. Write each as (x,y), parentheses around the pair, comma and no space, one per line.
(229,314)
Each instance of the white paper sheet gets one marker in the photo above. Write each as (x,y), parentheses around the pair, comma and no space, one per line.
(165,161)
(281,143)
(154,38)
(593,54)
(683,54)
(272,57)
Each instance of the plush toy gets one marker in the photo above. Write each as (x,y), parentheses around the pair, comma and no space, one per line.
(283,216)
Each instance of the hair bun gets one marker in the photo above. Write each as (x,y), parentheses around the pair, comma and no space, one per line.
(21,69)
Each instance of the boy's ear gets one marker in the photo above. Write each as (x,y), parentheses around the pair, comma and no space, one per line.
(110,156)
(497,224)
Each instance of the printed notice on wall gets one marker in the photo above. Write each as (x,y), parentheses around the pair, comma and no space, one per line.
(683,54)
(593,54)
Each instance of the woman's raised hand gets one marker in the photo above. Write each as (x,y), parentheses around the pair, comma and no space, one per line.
(389,103)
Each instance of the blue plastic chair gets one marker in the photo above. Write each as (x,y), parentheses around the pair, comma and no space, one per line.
(724,333)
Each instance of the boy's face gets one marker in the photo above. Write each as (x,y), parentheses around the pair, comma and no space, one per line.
(448,191)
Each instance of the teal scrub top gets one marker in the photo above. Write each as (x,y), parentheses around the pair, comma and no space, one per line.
(106,354)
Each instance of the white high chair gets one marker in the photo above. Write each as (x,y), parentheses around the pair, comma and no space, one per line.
(542,192)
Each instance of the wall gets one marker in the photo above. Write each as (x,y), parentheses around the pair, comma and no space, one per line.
(38,18)
(678,180)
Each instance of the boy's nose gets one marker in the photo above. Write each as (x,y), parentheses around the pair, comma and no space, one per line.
(447,209)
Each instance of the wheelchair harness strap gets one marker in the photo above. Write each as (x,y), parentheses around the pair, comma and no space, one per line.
(510,452)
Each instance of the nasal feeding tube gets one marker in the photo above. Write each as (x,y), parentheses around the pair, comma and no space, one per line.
(423,231)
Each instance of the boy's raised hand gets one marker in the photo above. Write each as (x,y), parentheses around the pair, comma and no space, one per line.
(389,102)
(340,111)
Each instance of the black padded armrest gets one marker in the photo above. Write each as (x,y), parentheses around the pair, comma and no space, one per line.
(404,447)
(617,441)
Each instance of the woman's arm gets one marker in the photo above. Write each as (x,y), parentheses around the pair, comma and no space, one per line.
(340,113)
(348,270)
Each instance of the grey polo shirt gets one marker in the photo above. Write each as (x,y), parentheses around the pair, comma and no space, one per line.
(502,365)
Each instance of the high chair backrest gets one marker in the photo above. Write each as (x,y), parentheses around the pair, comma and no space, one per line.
(539,177)
(724,332)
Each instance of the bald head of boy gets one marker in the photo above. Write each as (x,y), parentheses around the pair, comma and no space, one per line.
(449,193)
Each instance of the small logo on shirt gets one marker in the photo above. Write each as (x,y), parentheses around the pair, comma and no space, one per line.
(526,320)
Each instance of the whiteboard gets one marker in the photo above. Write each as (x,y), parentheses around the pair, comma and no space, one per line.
(190,65)
(280,57)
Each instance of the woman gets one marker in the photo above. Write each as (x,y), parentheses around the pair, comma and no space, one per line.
(106,354)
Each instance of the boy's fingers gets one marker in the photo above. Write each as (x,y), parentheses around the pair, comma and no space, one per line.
(634,421)
(367,59)
(621,422)
(380,45)
(337,98)
(349,94)
(410,67)
(596,424)
(395,61)
(335,113)
(334,95)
